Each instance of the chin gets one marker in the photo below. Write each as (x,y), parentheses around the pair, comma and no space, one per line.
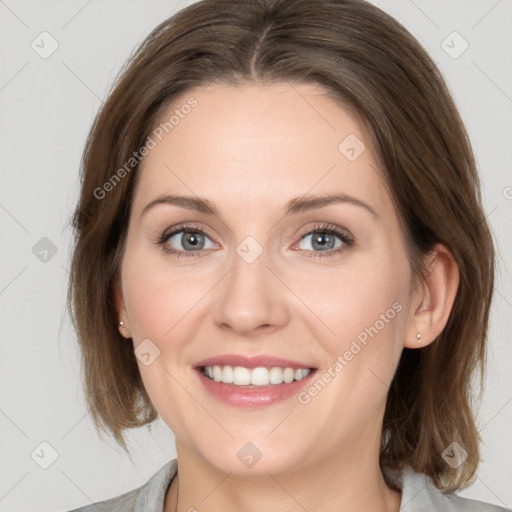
(253,458)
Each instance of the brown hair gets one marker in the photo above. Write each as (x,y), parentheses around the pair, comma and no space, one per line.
(366,59)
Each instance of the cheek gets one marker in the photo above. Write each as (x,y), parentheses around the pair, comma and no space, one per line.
(363,302)
(157,296)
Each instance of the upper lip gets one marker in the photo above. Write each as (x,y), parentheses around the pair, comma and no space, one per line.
(265,361)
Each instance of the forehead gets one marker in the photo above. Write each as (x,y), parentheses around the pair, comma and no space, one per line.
(259,144)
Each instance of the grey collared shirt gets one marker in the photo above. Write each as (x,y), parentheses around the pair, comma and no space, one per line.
(419,494)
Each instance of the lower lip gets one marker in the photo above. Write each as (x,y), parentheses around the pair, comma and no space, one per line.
(253,396)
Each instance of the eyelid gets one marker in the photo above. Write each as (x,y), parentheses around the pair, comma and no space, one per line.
(186,227)
(329,228)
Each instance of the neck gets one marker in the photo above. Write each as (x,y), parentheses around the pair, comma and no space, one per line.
(351,482)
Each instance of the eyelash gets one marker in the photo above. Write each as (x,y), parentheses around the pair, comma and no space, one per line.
(348,240)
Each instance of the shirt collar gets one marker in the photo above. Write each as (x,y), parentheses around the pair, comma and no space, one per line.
(419,494)
(151,497)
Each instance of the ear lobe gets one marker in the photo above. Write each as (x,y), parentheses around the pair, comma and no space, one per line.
(434,298)
(120,307)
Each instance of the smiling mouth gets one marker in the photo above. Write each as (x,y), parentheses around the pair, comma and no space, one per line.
(254,377)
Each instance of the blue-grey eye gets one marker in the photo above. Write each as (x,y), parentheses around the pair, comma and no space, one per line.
(322,241)
(189,240)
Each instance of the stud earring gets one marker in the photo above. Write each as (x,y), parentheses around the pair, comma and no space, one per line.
(418,337)
(122,326)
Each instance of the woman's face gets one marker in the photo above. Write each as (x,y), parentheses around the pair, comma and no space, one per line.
(244,284)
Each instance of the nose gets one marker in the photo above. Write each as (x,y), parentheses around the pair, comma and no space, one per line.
(251,300)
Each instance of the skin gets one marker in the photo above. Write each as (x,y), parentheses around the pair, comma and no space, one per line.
(249,149)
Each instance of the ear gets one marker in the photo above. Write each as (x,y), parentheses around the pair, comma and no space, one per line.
(121,308)
(433,298)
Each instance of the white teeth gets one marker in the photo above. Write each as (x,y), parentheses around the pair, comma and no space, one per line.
(276,375)
(240,376)
(288,375)
(227,375)
(217,374)
(259,376)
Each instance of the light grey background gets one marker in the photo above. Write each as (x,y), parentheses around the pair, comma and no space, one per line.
(47,108)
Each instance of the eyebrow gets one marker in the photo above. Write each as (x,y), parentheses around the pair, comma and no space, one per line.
(294,206)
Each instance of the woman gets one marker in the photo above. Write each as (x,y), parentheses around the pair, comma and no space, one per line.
(281,251)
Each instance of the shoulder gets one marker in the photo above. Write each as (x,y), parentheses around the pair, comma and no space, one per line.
(146,498)
(119,503)
(419,494)
(464,504)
